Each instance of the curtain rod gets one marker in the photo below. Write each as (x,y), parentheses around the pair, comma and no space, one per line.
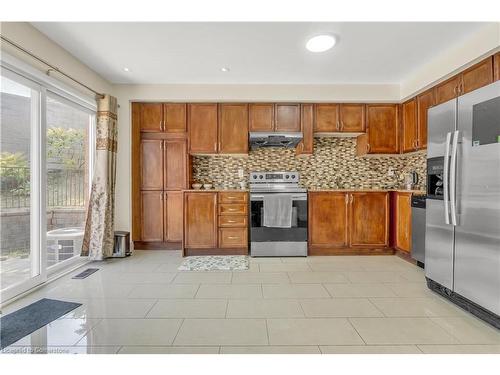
(52,68)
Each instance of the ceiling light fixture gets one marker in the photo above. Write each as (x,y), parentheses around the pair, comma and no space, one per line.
(225,69)
(321,43)
(126,69)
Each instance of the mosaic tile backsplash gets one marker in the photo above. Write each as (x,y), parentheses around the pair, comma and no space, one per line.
(334,165)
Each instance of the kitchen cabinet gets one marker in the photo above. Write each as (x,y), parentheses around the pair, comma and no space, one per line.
(261,117)
(409,133)
(200,220)
(152,216)
(151,164)
(306,146)
(233,129)
(176,175)
(369,219)
(401,221)
(478,75)
(382,122)
(233,237)
(328,219)
(202,128)
(163,117)
(424,102)
(352,118)
(496,62)
(173,216)
(326,119)
(287,117)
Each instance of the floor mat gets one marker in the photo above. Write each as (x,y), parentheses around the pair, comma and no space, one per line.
(22,322)
(215,263)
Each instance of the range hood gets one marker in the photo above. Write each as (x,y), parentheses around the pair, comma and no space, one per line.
(263,139)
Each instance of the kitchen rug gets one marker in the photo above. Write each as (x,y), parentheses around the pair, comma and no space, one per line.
(22,322)
(215,263)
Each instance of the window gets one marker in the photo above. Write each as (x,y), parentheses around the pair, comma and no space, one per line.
(46,161)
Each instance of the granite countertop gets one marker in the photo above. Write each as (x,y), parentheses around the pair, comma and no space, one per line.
(217,190)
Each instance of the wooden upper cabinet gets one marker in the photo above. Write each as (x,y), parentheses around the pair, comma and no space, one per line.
(424,102)
(202,128)
(477,76)
(305,147)
(173,211)
(151,164)
(409,134)
(152,216)
(447,90)
(151,117)
(328,219)
(369,219)
(233,128)
(200,220)
(402,221)
(176,164)
(287,117)
(496,63)
(174,117)
(352,118)
(326,118)
(382,123)
(261,117)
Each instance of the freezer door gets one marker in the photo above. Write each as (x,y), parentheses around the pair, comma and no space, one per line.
(477,234)
(439,232)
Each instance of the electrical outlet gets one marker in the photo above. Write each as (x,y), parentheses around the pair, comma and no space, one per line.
(390,172)
(241,173)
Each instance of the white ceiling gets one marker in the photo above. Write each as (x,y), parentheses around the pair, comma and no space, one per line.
(266,53)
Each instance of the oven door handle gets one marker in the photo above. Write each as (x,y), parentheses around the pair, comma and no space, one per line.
(260,197)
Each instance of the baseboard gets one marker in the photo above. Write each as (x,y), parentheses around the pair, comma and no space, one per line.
(216,251)
(349,251)
(141,245)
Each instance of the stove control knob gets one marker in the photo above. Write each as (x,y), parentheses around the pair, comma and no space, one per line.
(254,176)
(261,177)
(293,176)
(287,177)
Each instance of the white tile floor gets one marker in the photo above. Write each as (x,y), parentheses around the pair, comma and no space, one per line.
(348,304)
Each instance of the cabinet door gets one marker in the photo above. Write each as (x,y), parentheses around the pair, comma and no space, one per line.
(261,117)
(424,102)
(152,216)
(326,118)
(175,171)
(447,90)
(233,128)
(477,76)
(233,238)
(174,117)
(151,117)
(496,62)
(151,164)
(409,126)
(287,118)
(328,219)
(352,118)
(382,122)
(173,216)
(369,219)
(306,146)
(403,221)
(202,128)
(200,220)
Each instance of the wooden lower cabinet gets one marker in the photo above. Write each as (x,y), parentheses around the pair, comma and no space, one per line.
(215,223)
(349,223)
(401,221)
(152,216)
(174,202)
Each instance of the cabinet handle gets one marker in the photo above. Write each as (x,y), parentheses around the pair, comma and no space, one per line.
(337,126)
(367,147)
(341,125)
(346,199)
(352,198)
(461,88)
(231,209)
(231,221)
(233,237)
(161,196)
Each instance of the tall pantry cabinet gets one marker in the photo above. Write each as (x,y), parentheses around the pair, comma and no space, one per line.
(160,171)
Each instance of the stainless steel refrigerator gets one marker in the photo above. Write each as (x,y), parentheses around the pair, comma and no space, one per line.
(462,243)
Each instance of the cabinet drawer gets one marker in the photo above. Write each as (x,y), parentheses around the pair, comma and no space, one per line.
(232,209)
(233,221)
(233,237)
(233,197)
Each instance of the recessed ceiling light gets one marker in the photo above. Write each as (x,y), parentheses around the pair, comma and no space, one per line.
(320,43)
(126,69)
(225,69)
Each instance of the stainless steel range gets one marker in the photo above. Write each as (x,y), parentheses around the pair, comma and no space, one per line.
(278,215)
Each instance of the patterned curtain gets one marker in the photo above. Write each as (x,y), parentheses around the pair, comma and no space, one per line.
(98,241)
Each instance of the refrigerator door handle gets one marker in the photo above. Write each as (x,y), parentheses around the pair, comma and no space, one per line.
(446,168)
(453,173)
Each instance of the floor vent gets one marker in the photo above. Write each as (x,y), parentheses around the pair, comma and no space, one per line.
(86,273)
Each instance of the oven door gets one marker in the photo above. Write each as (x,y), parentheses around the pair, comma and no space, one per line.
(266,241)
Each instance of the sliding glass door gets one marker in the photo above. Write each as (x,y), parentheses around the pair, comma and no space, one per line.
(45,173)
(20,186)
